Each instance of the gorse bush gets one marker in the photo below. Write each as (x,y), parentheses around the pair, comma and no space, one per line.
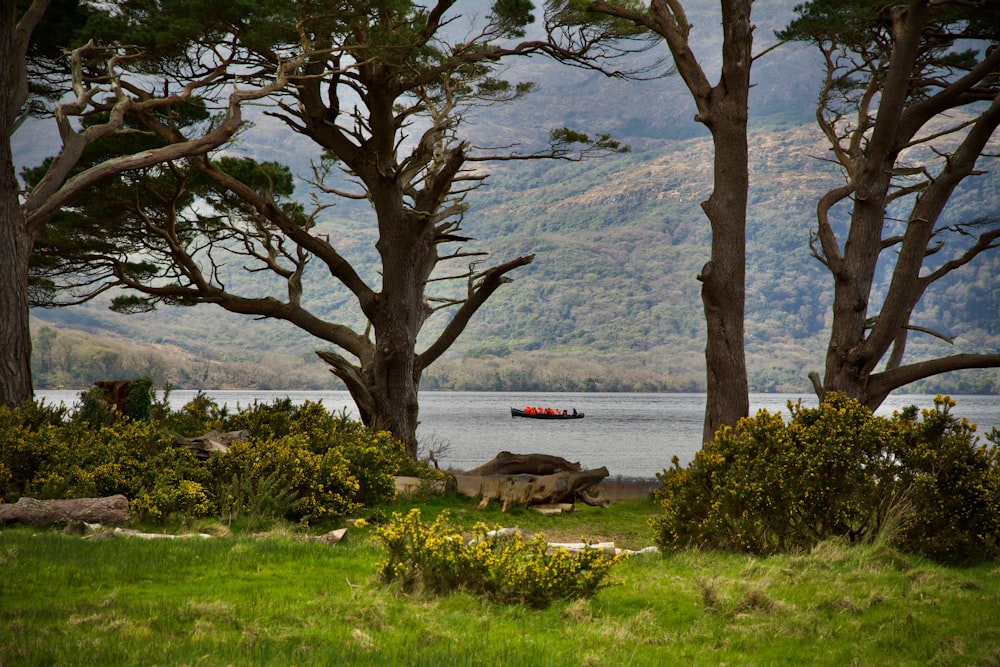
(496,565)
(299,462)
(322,483)
(953,485)
(373,458)
(838,471)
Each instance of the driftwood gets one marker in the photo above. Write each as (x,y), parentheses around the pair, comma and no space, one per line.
(203,446)
(527,490)
(574,548)
(531,480)
(506,463)
(112,510)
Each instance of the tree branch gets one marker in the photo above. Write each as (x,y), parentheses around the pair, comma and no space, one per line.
(479,292)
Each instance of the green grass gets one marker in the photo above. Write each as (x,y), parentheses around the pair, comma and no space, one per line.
(278,600)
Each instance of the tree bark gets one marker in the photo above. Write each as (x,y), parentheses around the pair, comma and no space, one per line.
(15,251)
(15,239)
(109,510)
(723,292)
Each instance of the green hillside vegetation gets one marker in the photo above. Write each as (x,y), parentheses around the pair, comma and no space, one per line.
(612,301)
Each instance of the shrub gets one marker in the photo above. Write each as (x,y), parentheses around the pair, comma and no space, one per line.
(322,483)
(300,463)
(259,500)
(955,487)
(496,565)
(768,487)
(836,470)
(196,417)
(139,402)
(372,458)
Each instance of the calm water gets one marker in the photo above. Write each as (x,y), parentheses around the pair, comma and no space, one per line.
(634,435)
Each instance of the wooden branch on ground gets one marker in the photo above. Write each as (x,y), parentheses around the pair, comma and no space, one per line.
(506,463)
(112,510)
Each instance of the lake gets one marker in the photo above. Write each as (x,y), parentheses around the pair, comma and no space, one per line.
(634,435)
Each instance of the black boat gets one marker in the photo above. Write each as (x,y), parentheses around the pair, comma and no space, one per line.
(514,412)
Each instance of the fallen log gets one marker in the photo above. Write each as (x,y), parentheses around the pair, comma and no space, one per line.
(111,510)
(506,463)
(526,490)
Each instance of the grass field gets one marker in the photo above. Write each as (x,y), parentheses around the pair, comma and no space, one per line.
(276,599)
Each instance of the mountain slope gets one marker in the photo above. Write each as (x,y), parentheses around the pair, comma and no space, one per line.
(612,300)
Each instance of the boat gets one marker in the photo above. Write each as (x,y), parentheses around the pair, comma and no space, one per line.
(514,412)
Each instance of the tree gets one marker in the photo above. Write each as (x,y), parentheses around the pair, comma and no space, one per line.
(114,84)
(723,109)
(381,90)
(909,105)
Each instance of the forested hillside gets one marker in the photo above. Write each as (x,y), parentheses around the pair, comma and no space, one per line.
(612,300)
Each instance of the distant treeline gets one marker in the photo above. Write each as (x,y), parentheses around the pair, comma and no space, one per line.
(75,359)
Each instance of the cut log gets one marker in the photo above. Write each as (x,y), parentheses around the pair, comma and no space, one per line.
(525,490)
(111,510)
(506,463)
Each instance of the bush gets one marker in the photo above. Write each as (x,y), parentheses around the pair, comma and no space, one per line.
(499,566)
(322,483)
(301,463)
(954,487)
(372,458)
(837,471)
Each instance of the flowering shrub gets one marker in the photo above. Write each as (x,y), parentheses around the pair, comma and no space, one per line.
(837,470)
(168,496)
(322,483)
(372,458)
(300,463)
(954,487)
(493,564)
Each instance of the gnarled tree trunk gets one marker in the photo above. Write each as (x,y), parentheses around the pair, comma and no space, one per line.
(15,239)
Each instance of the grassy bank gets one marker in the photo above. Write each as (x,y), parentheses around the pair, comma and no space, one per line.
(279,600)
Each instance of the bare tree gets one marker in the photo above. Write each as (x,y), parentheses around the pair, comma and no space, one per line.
(909,106)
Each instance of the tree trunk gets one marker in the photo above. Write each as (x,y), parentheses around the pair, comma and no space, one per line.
(723,289)
(722,108)
(393,391)
(15,241)
(15,249)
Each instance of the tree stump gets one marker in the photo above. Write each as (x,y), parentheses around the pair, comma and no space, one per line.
(109,510)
